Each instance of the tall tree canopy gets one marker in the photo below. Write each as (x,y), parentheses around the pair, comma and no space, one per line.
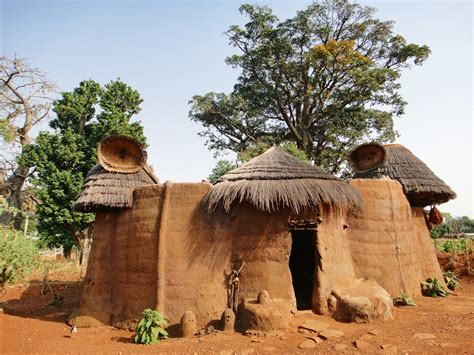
(326,79)
(63,157)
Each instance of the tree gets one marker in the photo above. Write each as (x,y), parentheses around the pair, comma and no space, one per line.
(63,158)
(453,225)
(221,168)
(25,101)
(326,79)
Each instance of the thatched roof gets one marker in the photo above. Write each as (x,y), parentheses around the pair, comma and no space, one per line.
(105,190)
(422,187)
(276,180)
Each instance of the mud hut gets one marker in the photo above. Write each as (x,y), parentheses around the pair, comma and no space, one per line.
(390,235)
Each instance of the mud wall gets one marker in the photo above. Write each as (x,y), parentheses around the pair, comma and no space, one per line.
(263,241)
(336,267)
(381,237)
(424,246)
(196,257)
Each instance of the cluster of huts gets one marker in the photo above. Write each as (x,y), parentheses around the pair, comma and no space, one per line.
(293,229)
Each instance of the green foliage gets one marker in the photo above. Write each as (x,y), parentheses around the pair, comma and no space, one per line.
(62,158)
(326,79)
(453,225)
(452,281)
(454,246)
(403,300)
(254,150)
(221,168)
(151,328)
(433,288)
(18,255)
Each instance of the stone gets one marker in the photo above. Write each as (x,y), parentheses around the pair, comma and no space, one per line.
(267,316)
(256,340)
(316,339)
(330,334)
(386,346)
(283,337)
(340,347)
(188,324)
(307,344)
(362,302)
(314,326)
(423,336)
(264,297)
(304,331)
(374,332)
(228,320)
(361,344)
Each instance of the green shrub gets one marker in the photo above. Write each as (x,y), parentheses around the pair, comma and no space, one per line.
(403,300)
(151,328)
(433,288)
(452,281)
(18,255)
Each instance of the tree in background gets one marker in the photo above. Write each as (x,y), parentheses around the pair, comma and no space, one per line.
(326,79)
(62,158)
(25,101)
(453,225)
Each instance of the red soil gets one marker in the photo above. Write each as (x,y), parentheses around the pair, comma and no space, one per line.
(29,325)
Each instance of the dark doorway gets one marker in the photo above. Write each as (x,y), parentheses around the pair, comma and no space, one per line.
(302,264)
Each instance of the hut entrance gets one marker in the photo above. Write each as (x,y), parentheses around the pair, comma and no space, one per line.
(302,266)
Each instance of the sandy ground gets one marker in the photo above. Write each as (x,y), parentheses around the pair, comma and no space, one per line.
(28,324)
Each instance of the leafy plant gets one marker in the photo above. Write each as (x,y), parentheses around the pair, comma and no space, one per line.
(452,281)
(403,300)
(433,288)
(151,328)
(18,255)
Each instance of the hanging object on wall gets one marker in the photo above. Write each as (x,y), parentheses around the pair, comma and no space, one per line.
(435,216)
(367,157)
(121,154)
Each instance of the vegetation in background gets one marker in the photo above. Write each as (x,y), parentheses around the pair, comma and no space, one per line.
(403,300)
(453,225)
(151,328)
(452,281)
(18,255)
(432,287)
(326,79)
(63,157)
(454,246)
(25,101)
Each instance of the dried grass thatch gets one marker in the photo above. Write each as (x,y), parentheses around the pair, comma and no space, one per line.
(422,187)
(276,180)
(367,157)
(106,190)
(121,154)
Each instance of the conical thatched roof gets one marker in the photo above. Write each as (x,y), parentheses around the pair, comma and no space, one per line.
(105,190)
(277,180)
(422,187)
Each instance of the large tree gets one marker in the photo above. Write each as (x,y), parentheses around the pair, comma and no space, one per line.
(25,101)
(63,157)
(326,79)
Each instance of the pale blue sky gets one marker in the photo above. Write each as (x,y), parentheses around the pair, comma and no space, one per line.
(172,50)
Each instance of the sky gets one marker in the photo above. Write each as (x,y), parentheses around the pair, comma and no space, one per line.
(172,50)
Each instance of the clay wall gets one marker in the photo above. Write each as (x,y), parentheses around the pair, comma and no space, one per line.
(336,267)
(381,237)
(263,241)
(196,258)
(425,249)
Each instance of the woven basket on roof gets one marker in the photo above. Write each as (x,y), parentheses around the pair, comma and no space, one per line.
(367,157)
(121,154)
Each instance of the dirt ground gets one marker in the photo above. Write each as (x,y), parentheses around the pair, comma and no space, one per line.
(28,324)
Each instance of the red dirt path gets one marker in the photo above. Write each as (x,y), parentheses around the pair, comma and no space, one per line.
(29,325)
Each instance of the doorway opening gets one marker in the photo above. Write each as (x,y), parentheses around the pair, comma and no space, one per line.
(303,259)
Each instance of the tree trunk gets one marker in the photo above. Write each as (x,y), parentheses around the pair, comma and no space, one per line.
(67,252)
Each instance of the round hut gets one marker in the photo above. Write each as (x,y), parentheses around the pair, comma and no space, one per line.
(421,186)
(287,224)
(389,235)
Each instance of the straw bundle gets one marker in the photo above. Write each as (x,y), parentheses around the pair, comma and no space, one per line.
(276,180)
(421,186)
